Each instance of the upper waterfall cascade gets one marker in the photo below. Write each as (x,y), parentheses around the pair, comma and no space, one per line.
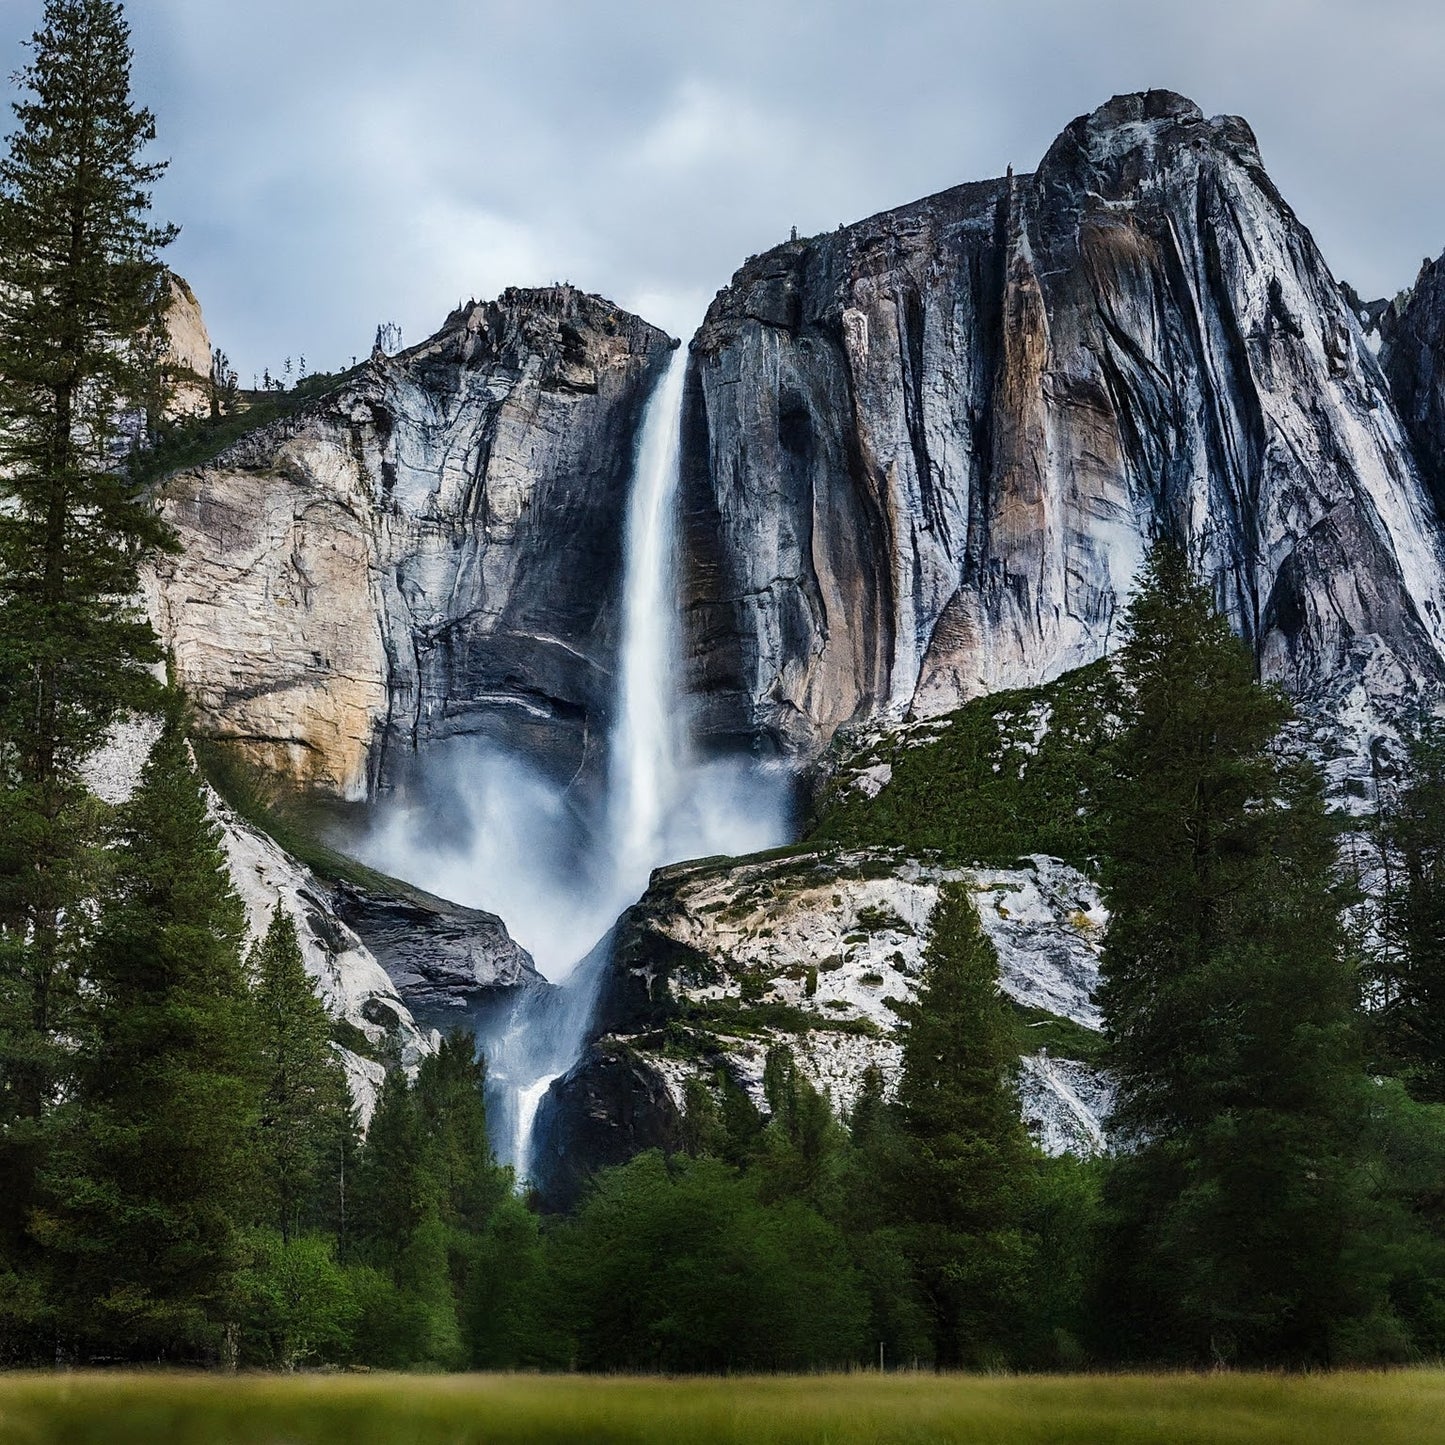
(649,740)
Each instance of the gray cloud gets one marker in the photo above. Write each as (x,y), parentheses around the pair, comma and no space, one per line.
(340,162)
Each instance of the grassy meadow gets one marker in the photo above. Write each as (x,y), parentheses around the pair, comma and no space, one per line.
(148,1409)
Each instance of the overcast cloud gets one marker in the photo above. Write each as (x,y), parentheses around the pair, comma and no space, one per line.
(336,163)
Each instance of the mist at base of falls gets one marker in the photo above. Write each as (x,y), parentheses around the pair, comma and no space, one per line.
(484,827)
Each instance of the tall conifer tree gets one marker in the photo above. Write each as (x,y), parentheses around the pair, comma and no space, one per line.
(965,1159)
(1409,1010)
(306,1118)
(81,296)
(152,1175)
(1228,1002)
(452,1115)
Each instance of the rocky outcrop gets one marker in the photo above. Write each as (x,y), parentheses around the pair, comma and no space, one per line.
(453,966)
(925,453)
(354,987)
(431,549)
(188,355)
(391,963)
(723,960)
(356,990)
(608,1108)
(1413,355)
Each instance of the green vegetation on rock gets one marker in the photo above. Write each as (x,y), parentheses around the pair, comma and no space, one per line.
(1039,1029)
(1010,774)
(194,441)
(296,823)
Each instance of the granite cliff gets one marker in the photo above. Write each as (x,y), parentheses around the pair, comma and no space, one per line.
(430,549)
(188,355)
(922,457)
(924,454)
(1413,355)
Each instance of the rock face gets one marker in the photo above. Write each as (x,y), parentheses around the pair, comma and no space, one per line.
(356,990)
(354,987)
(925,454)
(392,964)
(432,549)
(452,965)
(610,1107)
(1413,356)
(722,961)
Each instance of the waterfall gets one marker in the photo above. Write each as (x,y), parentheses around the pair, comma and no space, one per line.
(647,756)
(529,1100)
(662,804)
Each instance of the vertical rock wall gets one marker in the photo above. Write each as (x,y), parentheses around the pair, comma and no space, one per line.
(926,453)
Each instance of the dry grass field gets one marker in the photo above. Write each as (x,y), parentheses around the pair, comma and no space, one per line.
(148,1409)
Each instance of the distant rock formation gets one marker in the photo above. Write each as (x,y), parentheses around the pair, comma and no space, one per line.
(1413,356)
(188,356)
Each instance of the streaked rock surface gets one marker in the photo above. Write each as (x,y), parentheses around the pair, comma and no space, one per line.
(1413,355)
(722,961)
(925,453)
(432,549)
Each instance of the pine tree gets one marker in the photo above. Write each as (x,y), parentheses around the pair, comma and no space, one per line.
(741,1121)
(152,1176)
(452,1114)
(803,1144)
(428,1189)
(873,1213)
(81,305)
(1184,839)
(703,1135)
(399,1200)
(1236,1221)
(394,1191)
(305,1104)
(1408,1013)
(965,1159)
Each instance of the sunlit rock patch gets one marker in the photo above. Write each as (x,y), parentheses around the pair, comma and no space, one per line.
(817,951)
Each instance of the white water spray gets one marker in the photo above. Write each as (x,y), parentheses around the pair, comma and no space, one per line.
(662,805)
(529,1100)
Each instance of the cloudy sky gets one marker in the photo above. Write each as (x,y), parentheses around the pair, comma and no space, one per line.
(337,163)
